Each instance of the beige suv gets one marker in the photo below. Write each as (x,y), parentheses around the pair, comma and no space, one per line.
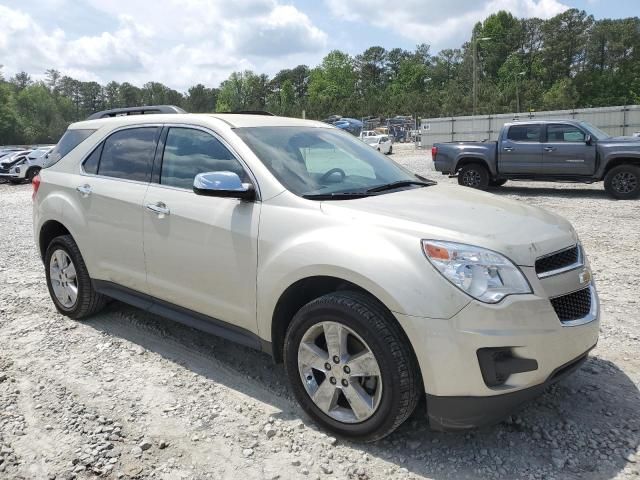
(373,285)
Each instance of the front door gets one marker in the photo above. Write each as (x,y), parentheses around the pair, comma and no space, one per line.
(566,152)
(201,252)
(521,151)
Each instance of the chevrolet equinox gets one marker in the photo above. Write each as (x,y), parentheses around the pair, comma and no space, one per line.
(371,284)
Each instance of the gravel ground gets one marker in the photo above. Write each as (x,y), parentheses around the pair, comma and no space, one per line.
(129,395)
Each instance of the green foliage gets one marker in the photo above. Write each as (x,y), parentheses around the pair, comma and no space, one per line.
(568,61)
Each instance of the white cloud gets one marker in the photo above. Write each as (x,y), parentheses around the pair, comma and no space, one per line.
(177,42)
(441,24)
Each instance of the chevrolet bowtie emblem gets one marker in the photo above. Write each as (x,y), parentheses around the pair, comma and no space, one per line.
(584,276)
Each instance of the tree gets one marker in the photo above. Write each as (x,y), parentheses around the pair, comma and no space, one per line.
(21,80)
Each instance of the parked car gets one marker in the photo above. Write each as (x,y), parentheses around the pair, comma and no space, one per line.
(554,150)
(382,143)
(8,162)
(24,165)
(369,133)
(373,285)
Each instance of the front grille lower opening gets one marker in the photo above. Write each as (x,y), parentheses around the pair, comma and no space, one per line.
(573,306)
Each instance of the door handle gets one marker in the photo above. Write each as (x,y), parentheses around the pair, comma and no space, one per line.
(508,149)
(159,207)
(84,190)
(549,149)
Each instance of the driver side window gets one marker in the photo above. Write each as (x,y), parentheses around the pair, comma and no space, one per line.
(188,152)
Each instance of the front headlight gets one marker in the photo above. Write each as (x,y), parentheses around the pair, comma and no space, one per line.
(485,275)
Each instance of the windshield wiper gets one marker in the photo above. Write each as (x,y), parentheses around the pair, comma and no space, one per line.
(399,184)
(335,196)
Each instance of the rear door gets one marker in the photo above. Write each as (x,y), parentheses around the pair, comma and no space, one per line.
(111,191)
(201,251)
(520,150)
(565,151)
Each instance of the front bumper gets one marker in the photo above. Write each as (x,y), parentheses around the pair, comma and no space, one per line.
(9,175)
(458,393)
(461,413)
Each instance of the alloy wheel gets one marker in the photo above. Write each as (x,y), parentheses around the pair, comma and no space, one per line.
(64,282)
(471,178)
(339,372)
(624,182)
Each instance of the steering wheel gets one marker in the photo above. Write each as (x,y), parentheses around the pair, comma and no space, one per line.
(331,172)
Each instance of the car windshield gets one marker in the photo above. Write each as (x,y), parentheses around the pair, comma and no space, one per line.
(312,161)
(594,131)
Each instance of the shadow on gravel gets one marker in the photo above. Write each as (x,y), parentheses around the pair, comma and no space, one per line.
(586,191)
(585,427)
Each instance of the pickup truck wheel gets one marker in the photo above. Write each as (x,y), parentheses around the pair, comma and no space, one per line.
(497,183)
(351,367)
(68,280)
(474,175)
(623,182)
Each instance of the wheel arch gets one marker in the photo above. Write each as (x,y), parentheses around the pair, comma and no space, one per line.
(303,291)
(48,231)
(617,161)
(468,160)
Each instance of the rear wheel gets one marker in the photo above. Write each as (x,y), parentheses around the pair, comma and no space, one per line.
(68,280)
(351,367)
(474,175)
(623,182)
(390,150)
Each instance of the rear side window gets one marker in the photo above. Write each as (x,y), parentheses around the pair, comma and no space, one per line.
(188,152)
(128,154)
(70,140)
(90,165)
(524,133)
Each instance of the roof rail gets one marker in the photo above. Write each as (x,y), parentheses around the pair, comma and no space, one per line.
(145,110)
(251,112)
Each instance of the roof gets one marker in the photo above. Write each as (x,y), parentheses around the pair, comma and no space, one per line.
(231,119)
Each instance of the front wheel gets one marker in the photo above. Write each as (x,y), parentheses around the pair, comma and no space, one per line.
(474,175)
(351,367)
(623,182)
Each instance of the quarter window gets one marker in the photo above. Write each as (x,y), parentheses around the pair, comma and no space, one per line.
(70,140)
(524,133)
(90,165)
(188,152)
(129,154)
(564,133)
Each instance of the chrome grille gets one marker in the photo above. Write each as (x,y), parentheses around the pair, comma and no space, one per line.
(573,306)
(559,261)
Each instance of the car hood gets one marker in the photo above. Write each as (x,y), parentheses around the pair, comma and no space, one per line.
(513,228)
(614,140)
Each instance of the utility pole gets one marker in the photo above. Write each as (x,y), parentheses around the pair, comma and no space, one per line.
(474,50)
(518,91)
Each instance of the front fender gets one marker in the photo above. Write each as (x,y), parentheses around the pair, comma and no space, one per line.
(390,265)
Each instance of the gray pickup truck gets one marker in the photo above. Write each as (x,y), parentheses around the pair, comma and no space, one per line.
(554,150)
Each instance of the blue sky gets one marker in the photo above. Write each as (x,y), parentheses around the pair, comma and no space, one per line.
(183,42)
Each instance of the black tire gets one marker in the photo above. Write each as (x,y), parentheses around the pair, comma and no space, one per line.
(390,150)
(16,181)
(474,175)
(31,173)
(88,301)
(497,183)
(623,182)
(399,370)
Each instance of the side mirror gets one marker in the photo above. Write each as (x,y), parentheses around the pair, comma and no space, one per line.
(223,184)
(588,140)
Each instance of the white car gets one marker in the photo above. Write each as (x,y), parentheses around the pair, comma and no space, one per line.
(373,285)
(382,143)
(24,165)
